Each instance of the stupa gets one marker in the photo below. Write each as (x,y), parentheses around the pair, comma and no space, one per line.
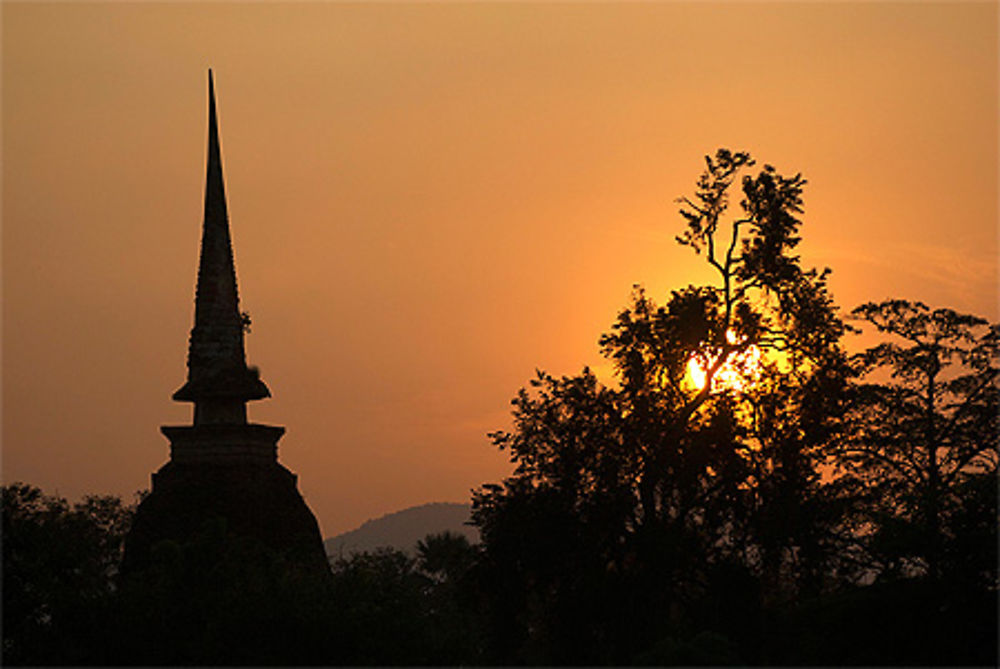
(222,467)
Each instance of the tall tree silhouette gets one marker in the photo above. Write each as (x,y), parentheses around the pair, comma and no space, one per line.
(648,490)
(923,444)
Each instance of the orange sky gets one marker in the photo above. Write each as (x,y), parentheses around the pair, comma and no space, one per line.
(428,201)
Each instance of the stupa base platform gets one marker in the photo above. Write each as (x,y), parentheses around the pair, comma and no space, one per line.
(254,500)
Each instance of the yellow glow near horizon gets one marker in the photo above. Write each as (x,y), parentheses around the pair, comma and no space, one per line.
(737,373)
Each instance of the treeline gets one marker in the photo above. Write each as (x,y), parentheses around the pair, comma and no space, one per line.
(743,492)
(746,491)
(218,600)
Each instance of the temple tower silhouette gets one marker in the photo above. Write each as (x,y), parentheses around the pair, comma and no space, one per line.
(222,466)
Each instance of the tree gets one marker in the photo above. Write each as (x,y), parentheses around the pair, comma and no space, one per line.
(380,614)
(765,302)
(60,565)
(445,556)
(655,486)
(923,440)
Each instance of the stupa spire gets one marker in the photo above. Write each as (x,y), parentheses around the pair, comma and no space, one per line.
(219,381)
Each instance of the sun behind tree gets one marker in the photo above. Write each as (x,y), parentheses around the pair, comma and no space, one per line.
(701,455)
(738,373)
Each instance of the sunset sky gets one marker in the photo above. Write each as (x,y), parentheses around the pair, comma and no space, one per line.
(430,201)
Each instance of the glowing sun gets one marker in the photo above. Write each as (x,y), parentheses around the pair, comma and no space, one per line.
(739,372)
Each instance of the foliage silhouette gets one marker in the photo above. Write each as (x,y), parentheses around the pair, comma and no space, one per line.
(641,516)
(922,448)
(655,485)
(218,598)
(59,566)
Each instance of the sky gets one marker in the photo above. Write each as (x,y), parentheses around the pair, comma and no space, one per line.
(429,202)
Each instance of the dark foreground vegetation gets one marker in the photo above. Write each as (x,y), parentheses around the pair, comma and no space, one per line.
(800,506)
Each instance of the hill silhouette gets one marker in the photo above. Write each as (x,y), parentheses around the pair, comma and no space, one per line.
(403,529)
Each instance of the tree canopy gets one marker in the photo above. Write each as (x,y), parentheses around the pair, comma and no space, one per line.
(662,504)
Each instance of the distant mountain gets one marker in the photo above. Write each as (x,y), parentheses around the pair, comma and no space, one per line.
(403,529)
